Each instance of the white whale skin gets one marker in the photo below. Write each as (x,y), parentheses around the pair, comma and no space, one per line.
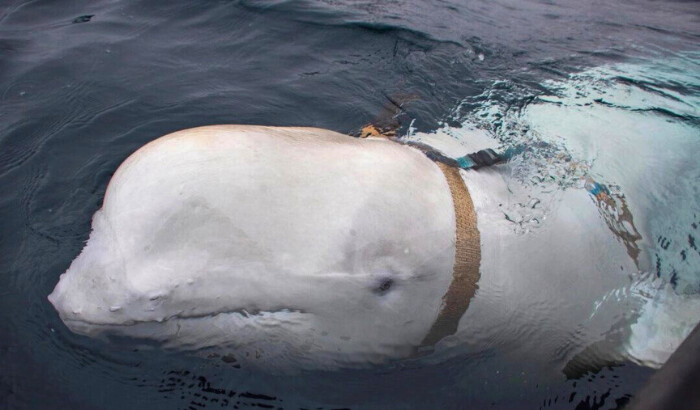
(295,243)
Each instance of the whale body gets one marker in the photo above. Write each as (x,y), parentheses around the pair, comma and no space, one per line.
(297,237)
(313,248)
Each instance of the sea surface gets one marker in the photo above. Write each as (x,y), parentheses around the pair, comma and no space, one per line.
(613,85)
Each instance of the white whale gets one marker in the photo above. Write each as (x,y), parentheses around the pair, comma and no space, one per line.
(308,247)
(237,235)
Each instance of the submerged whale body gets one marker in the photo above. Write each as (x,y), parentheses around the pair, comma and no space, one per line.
(308,247)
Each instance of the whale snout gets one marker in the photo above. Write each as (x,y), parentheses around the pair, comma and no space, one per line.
(71,309)
(91,291)
(82,309)
(66,307)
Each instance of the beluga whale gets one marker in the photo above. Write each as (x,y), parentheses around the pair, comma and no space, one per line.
(308,248)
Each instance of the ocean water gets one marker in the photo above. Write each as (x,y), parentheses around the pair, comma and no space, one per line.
(611,86)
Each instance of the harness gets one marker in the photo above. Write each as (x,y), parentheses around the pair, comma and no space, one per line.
(465,272)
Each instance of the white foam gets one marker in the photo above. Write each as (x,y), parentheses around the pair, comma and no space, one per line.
(634,128)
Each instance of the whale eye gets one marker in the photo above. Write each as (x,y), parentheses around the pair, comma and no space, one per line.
(384,286)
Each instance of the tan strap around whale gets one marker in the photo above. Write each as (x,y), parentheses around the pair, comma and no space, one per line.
(465,273)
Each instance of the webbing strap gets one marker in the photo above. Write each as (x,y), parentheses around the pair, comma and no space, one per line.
(465,273)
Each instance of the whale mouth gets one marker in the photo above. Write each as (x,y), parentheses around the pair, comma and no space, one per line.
(194,332)
(244,313)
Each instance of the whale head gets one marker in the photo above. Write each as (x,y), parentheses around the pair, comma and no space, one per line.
(291,243)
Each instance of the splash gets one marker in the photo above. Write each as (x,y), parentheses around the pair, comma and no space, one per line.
(632,128)
(628,134)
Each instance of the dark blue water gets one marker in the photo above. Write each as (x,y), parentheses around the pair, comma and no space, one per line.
(84,84)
